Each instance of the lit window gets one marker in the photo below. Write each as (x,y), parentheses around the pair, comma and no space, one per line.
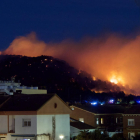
(97,120)
(116,120)
(102,121)
(81,119)
(26,122)
(131,122)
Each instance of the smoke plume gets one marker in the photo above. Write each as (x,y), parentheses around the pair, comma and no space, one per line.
(105,57)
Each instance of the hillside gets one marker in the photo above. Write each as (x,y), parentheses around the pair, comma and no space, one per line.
(54,75)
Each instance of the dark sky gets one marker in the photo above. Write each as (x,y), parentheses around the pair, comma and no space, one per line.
(56,20)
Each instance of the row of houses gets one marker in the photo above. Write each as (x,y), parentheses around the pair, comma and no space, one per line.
(110,119)
(27,115)
(48,117)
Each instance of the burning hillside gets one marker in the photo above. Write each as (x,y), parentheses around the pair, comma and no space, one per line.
(112,57)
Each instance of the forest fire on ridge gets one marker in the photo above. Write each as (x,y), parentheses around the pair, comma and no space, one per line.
(98,56)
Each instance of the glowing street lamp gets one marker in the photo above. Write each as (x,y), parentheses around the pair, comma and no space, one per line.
(61,137)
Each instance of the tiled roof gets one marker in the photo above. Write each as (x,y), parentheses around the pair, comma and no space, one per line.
(25,102)
(3,98)
(105,109)
(81,125)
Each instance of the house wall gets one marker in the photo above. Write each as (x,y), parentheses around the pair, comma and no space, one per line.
(75,131)
(89,118)
(54,106)
(20,129)
(135,128)
(3,124)
(109,120)
(62,125)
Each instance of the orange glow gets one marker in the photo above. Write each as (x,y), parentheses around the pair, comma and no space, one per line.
(98,56)
(116,79)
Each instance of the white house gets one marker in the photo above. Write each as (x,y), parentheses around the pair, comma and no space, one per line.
(30,117)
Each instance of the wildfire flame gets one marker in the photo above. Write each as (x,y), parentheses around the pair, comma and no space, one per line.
(98,56)
(116,79)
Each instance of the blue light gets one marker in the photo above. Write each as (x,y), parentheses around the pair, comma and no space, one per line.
(138,102)
(111,101)
(94,103)
(102,103)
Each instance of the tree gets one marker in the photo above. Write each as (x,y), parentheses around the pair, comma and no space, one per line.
(84,135)
(96,135)
(118,136)
(137,137)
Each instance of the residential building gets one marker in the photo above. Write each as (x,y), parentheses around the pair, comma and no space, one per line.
(10,87)
(131,122)
(30,117)
(77,126)
(107,118)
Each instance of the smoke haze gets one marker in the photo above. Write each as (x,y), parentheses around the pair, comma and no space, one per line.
(105,57)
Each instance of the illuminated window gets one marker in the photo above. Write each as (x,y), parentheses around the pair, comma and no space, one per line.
(97,120)
(26,122)
(131,122)
(116,120)
(102,121)
(81,120)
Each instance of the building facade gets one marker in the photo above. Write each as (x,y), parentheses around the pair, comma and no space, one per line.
(41,117)
(131,122)
(108,119)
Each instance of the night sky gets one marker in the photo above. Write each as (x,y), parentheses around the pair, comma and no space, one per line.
(57,20)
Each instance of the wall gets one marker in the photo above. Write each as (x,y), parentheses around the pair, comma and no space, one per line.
(89,118)
(135,128)
(62,125)
(32,91)
(50,108)
(19,129)
(3,123)
(75,131)
(110,120)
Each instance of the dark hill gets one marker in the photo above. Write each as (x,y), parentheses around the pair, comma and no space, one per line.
(52,74)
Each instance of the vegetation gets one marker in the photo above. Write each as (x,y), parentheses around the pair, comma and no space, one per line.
(58,77)
(96,135)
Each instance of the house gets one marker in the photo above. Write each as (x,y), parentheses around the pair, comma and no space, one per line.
(30,117)
(131,122)
(107,118)
(11,87)
(76,127)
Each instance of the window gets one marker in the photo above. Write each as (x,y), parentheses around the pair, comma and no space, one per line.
(121,119)
(97,120)
(81,120)
(26,122)
(131,135)
(116,120)
(131,122)
(102,121)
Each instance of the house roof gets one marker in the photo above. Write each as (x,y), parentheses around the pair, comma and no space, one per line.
(3,98)
(25,102)
(81,125)
(135,109)
(105,109)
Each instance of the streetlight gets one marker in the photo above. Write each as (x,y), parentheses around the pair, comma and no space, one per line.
(61,137)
